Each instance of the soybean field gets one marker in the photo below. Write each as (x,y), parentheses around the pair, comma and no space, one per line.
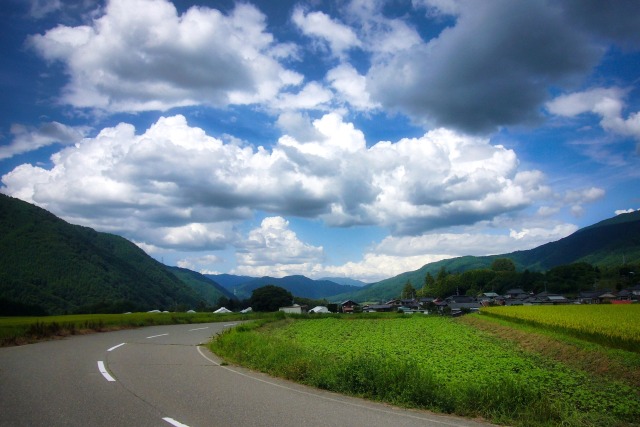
(435,363)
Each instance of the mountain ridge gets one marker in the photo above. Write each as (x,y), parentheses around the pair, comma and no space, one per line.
(606,242)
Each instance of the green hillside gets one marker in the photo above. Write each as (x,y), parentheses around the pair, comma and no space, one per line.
(607,243)
(65,268)
(208,289)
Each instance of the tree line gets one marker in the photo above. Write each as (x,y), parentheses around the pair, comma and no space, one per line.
(568,279)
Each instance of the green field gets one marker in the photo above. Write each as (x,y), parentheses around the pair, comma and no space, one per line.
(435,363)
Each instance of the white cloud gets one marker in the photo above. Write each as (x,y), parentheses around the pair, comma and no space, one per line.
(351,87)
(141,55)
(312,96)
(319,25)
(26,139)
(587,195)
(375,267)
(201,264)
(624,211)
(180,188)
(274,248)
(608,103)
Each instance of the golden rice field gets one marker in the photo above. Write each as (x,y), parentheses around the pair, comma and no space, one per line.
(611,324)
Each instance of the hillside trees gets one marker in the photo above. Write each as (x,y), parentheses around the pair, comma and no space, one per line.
(270,298)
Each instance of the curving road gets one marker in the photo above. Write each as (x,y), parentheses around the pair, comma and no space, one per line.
(159,376)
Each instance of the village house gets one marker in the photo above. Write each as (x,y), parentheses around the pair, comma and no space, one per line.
(348,306)
(294,309)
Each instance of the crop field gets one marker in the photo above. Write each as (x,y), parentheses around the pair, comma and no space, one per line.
(609,324)
(433,363)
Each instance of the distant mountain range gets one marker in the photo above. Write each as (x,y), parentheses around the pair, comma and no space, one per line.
(50,265)
(300,286)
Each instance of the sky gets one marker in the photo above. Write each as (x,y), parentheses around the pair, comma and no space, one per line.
(359,139)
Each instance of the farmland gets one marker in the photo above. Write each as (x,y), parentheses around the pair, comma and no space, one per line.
(435,363)
(609,324)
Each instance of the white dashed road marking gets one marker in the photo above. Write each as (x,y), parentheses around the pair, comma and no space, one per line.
(104,372)
(174,422)
(116,346)
(156,336)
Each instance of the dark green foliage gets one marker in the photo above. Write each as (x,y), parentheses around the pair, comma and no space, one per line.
(270,298)
(503,264)
(66,268)
(15,308)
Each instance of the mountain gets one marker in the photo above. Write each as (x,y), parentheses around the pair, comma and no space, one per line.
(229,281)
(299,286)
(209,290)
(344,281)
(64,268)
(607,243)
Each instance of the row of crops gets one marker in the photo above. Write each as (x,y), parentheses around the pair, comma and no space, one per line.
(434,363)
(609,324)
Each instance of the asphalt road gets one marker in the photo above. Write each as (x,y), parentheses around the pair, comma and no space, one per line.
(159,376)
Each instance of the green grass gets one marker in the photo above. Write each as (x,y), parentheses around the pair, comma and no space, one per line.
(433,363)
(22,330)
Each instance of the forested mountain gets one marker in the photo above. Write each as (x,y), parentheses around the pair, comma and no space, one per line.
(229,281)
(608,243)
(208,289)
(299,286)
(344,281)
(63,268)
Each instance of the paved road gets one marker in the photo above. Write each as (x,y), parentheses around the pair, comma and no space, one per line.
(159,376)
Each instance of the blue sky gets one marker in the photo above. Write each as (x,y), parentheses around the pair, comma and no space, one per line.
(326,138)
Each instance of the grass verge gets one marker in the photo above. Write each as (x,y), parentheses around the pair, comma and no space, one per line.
(25,330)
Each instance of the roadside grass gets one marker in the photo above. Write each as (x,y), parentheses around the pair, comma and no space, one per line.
(432,363)
(25,330)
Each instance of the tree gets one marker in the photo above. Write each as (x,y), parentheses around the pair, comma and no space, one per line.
(503,264)
(408,291)
(270,298)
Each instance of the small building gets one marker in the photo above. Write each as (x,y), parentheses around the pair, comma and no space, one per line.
(348,306)
(377,308)
(319,309)
(516,293)
(223,310)
(294,309)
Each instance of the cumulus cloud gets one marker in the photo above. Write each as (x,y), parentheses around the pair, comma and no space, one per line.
(376,267)
(142,55)
(477,80)
(26,139)
(608,103)
(179,187)
(273,248)
(321,26)
(351,87)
